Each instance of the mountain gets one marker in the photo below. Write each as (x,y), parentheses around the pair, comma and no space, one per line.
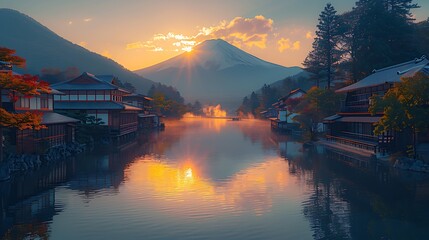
(216,72)
(42,48)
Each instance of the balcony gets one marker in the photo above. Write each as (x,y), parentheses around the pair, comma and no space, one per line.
(355,109)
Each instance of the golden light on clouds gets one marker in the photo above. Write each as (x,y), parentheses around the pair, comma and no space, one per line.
(256,35)
(87,19)
(240,31)
(187,49)
(286,44)
(309,35)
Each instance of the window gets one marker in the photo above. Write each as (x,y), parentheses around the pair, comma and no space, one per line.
(73,95)
(44,104)
(91,95)
(99,96)
(82,95)
(65,97)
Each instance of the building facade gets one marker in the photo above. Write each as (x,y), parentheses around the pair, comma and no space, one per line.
(284,119)
(101,99)
(59,129)
(354,125)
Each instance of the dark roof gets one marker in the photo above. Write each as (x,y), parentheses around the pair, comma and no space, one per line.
(331,118)
(147,115)
(94,105)
(357,119)
(106,78)
(292,93)
(55,118)
(137,95)
(86,81)
(370,119)
(390,74)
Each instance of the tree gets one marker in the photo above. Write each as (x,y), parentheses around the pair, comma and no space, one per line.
(405,106)
(314,107)
(15,85)
(254,102)
(326,46)
(379,33)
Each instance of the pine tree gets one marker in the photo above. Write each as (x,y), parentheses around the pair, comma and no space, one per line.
(326,46)
(379,33)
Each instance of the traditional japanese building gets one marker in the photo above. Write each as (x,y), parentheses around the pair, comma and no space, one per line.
(353,126)
(140,101)
(99,97)
(59,129)
(284,119)
(147,119)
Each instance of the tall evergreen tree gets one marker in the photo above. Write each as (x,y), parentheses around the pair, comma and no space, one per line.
(326,46)
(379,33)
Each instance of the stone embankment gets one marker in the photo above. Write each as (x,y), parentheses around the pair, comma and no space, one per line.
(27,162)
(411,165)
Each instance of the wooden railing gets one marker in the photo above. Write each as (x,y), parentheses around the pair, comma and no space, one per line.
(354,143)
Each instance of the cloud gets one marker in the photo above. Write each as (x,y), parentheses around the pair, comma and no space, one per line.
(70,22)
(240,31)
(158,49)
(309,35)
(87,19)
(286,44)
(134,45)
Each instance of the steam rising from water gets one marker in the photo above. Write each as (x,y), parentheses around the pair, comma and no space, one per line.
(214,111)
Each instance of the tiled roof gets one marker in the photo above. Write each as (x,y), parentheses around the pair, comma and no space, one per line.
(291,93)
(93,83)
(55,118)
(390,74)
(94,105)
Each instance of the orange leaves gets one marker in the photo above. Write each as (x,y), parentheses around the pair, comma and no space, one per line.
(20,85)
(27,120)
(7,55)
(26,84)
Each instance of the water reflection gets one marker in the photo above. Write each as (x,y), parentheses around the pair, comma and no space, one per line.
(212,179)
(250,190)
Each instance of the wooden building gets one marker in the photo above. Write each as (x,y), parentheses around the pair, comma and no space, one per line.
(147,119)
(59,129)
(354,125)
(99,97)
(284,119)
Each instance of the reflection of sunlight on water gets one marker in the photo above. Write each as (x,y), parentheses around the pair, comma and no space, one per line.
(188,173)
(251,189)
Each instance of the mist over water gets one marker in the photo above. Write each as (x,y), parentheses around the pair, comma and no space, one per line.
(215,179)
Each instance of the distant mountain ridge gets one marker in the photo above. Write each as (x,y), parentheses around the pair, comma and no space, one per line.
(42,48)
(217,72)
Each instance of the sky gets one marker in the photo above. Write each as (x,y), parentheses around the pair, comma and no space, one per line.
(141,33)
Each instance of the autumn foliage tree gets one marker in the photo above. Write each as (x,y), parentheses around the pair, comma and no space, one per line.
(15,85)
(405,106)
(314,107)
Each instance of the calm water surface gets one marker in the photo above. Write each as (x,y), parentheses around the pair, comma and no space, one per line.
(215,179)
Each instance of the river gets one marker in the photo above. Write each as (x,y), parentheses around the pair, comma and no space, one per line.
(215,179)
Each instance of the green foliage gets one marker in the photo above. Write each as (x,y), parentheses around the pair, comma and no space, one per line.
(314,107)
(167,101)
(327,51)
(379,33)
(89,130)
(405,106)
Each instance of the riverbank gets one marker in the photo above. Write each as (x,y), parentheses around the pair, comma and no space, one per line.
(21,163)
